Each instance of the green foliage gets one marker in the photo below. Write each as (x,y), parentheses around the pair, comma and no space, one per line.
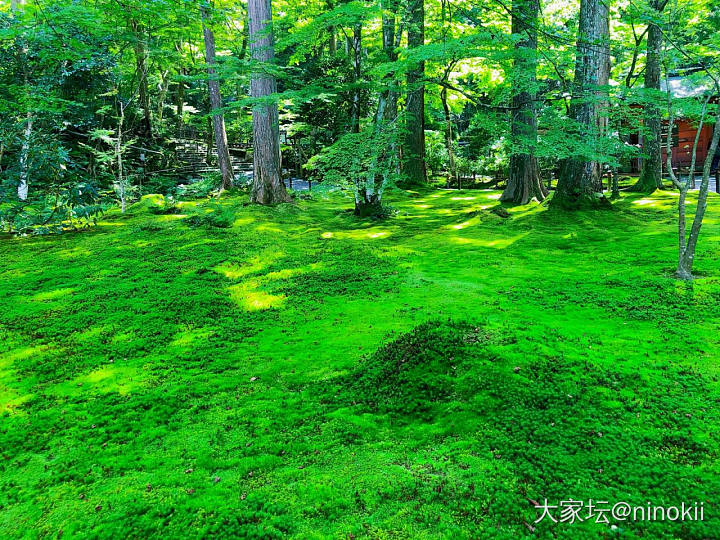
(214,215)
(199,189)
(364,163)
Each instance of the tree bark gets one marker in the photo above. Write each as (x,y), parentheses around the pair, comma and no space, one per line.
(651,172)
(180,101)
(164,88)
(141,56)
(389,37)
(216,105)
(414,168)
(687,255)
(357,73)
(332,42)
(602,95)
(577,183)
(16,7)
(24,185)
(121,181)
(524,182)
(268,187)
(448,134)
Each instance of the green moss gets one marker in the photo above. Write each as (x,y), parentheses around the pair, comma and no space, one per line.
(302,373)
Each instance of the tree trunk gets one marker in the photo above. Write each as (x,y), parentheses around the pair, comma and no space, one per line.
(357,73)
(16,7)
(602,95)
(268,187)
(448,134)
(578,175)
(180,95)
(209,141)
(141,54)
(332,42)
(414,168)
(651,172)
(524,177)
(687,255)
(180,101)
(389,44)
(164,87)
(216,105)
(24,185)
(119,161)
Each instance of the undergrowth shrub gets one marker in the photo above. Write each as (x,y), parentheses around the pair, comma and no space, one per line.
(219,216)
(168,205)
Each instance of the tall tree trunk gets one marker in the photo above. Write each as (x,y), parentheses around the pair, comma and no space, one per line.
(332,42)
(180,101)
(209,141)
(357,73)
(414,168)
(180,95)
(216,105)
(448,134)
(687,250)
(141,56)
(390,42)
(24,185)
(524,181)
(651,172)
(164,87)
(602,94)
(16,8)
(577,183)
(121,181)
(268,187)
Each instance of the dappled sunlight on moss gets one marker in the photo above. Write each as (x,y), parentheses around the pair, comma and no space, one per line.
(498,243)
(74,252)
(112,378)
(52,296)
(249,298)
(233,270)
(648,202)
(269,228)
(357,234)
(243,221)
(11,398)
(185,339)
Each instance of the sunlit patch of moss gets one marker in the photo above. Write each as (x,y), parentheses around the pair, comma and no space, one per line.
(74,252)
(265,228)
(250,298)
(11,400)
(233,270)
(243,221)
(186,339)
(51,296)
(106,379)
(497,243)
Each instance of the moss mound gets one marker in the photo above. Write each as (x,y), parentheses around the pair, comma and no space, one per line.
(417,369)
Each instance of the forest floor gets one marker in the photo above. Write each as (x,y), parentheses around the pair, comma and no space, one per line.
(229,370)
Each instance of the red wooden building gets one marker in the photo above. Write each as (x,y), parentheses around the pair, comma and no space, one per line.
(684,131)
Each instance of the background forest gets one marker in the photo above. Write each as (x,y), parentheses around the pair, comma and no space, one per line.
(358,269)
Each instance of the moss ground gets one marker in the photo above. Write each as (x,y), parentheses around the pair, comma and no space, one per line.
(227,370)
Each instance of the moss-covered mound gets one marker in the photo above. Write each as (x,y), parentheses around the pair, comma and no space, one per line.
(411,373)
